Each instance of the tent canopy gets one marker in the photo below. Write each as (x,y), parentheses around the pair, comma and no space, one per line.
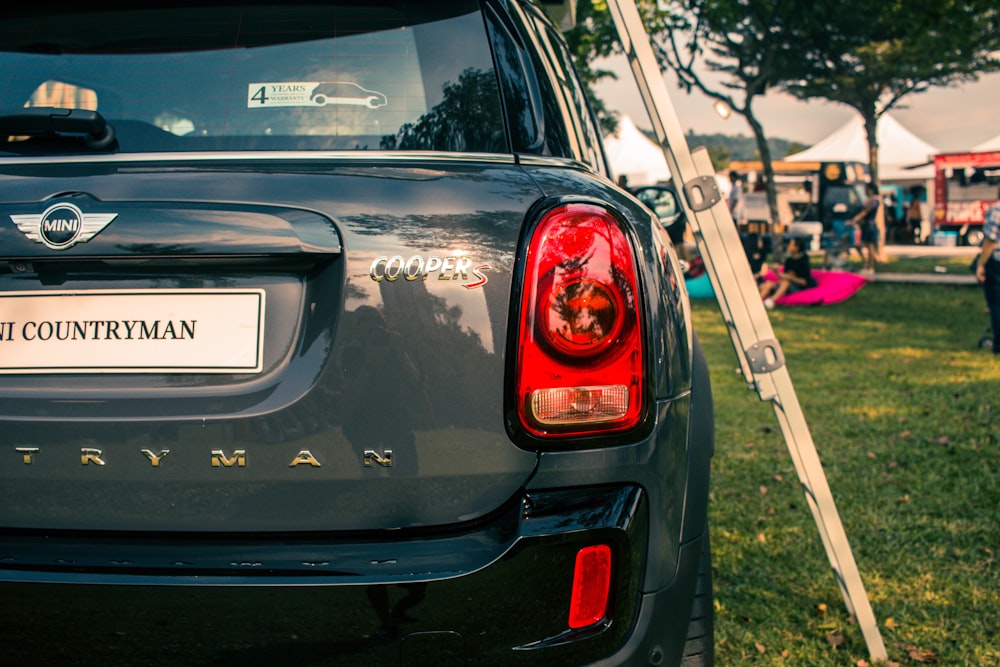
(898,149)
(634,155)
(988,145)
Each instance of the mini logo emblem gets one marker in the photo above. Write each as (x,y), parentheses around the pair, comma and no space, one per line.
(62,226)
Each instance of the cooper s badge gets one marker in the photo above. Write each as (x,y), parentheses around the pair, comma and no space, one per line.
(417,267)
(62,225)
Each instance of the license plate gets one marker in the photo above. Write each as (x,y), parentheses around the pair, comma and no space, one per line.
(138,331)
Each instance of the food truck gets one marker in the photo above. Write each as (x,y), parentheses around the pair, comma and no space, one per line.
(822,196)
(965,185)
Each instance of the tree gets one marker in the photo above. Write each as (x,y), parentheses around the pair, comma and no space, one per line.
(594,38)
(462,119)
(751,46)
(883,52)
(736,51)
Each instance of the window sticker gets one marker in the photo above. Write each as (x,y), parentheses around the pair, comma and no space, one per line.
(313,94)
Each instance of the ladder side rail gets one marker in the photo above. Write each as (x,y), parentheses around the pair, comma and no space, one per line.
(824,510)
(744,313)
(768,374)
(751,327)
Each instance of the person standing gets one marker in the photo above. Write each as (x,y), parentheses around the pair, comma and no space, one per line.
(915,218)
(988,269)
(867,218)
(737,199)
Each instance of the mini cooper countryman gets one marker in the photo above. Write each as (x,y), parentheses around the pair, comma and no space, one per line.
(326,337)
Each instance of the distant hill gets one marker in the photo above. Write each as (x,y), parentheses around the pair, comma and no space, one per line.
(724,148)
(742,147)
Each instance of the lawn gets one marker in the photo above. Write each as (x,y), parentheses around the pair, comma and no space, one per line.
(903,264)
(905,413)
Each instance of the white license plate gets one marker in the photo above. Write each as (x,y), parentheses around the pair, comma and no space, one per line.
(139,331)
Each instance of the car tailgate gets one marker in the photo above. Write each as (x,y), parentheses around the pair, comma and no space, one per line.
(267,345)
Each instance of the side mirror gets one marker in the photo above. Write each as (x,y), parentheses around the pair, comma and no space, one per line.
(663,202)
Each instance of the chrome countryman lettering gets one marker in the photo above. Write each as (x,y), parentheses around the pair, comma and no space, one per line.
(305,456)
(27,454)
(452,267)
(371,457)
(221,459)
(154,459)
(91,456)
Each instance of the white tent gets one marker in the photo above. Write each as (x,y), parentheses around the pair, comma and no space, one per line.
(898,149)
(632,154)
(988,145)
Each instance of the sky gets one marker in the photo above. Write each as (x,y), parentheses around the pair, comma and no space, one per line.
(950,118)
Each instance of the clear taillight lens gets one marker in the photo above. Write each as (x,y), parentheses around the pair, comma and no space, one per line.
(579,366)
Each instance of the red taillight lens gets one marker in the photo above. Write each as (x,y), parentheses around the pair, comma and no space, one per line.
(591,586)
(579,366)
(580,317)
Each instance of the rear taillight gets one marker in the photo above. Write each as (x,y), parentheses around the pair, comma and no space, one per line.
(579,365)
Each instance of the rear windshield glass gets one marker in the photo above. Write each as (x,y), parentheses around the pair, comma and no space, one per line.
(337,76)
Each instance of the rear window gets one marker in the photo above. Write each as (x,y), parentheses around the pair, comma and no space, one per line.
(336,76)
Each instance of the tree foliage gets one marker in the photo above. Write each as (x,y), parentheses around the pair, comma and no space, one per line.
(867,55)
(736,51)
(462,119)
(878,53)
(594,38)
(731,50)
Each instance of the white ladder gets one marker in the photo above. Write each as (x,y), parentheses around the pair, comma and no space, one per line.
(728,268)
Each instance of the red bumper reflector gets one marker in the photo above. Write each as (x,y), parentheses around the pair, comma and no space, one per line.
(591,586)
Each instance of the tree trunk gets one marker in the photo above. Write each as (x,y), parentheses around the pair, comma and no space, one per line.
(774,225)
(871,132)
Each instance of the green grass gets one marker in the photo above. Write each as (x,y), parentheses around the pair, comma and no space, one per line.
(904,410)
(903,264)
(956,265)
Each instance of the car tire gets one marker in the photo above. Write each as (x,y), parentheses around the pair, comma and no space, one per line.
(699,649)
(974,237)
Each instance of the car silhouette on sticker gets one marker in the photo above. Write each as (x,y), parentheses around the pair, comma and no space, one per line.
(345,92)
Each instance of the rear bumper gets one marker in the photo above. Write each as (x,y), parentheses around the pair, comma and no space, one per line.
(497,593)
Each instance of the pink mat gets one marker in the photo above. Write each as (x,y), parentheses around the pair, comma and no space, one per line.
(831,287)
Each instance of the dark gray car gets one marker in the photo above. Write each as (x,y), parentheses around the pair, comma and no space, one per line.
(400,383)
